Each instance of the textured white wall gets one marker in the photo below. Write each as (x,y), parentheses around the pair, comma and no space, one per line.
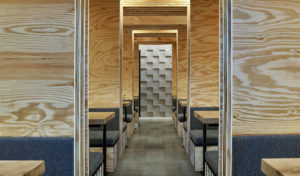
(156,80)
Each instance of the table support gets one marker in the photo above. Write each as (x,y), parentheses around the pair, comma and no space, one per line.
(104,149)
(204,146)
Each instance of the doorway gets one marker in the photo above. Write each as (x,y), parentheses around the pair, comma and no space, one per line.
(156,80)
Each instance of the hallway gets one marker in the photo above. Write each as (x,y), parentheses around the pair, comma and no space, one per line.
(155,150)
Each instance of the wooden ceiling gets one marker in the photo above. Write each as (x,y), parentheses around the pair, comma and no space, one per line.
(155,11)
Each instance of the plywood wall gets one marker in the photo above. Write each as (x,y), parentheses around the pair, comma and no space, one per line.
(266,67)
(104,58)
(127,75)
(136,70)
(204,78)
(37,68)
(182,63)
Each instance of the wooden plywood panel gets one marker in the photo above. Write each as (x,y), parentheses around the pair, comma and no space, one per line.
(266,67)
(127,65)
(182,64)
(204,53)
(37,71)
(104,58)
(136,70)
(154,2)
(154,20)
(155,40)
(155,11)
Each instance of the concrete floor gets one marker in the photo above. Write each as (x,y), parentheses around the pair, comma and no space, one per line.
(155,150)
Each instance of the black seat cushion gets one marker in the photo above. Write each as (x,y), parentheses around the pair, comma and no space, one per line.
(185,126)
(96,138)
(212,158)
(181,118)
(95,161)
(197,137)
(124,126)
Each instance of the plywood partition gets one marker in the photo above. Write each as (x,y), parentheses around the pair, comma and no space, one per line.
(127,65)
(182,62)
(136,75)
(37,68)
(204,59)
(266,67)
(104,54)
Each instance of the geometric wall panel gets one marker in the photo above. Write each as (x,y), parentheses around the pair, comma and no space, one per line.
(156,80)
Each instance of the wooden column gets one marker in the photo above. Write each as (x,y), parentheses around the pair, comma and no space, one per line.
(204,59)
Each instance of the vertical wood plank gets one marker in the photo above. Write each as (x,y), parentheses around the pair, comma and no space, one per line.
(266,67)
(37,68)
(104,60)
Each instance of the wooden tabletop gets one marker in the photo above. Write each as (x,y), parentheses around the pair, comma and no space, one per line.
(100,118)
(183,103)
(281,166)
(126,103)
(22,168)
(207,117)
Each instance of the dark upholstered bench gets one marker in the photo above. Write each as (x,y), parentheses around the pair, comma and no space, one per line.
(96,138)
(180,118)
(95,163)
(212,158)
(129,118)
(197,137)
(112,140)
(247,152)
(57,152)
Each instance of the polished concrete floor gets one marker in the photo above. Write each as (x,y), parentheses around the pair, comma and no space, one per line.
(155,150)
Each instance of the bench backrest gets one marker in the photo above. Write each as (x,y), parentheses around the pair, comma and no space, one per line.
(248,151)
(57,152)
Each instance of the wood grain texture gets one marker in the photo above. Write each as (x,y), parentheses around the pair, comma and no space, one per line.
(281,166)
(182,64)
(150,3)
(155,40)
(204,53)
(266,67)
(104,54)
(155,11)
(37,68)
(100,118)
(136,70)
(22,168)
(127,74)
(154,20)
(207,117)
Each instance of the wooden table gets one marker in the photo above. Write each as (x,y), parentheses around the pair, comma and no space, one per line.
(101,118)
(126,103)
(22,167)
(281,166)
(183,103)
(206,118)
